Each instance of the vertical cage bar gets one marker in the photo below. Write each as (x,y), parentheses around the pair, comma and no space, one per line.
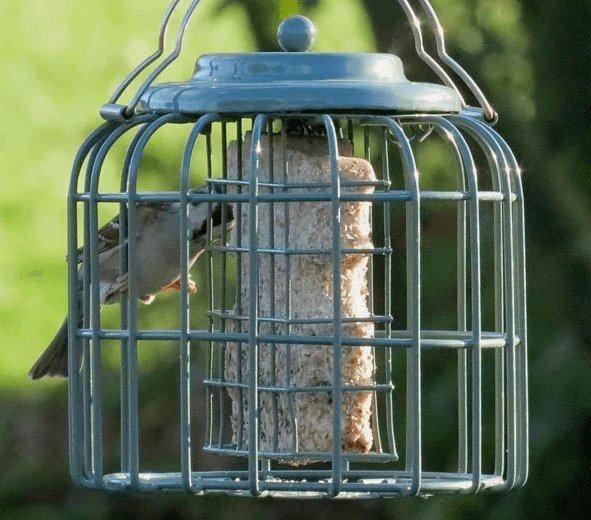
(253,311)
(520,312)
(86,304)
(413,237)
(461,302)
(75,414)
(512,299)
(476,298)
(462,325)
(272,309)
(96,406)
(337,389)
(239,282)
(522,363)
(503,322)
(133,294)
(286,243)
(133,436)
(375,420)
(388,314)
(185,304)
(500,248)
(223,288)
(413,276)
(210,294)
(504,314)
(497,156)
(185,324)
(124,304)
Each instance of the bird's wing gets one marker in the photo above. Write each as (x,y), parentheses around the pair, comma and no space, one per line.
(108,237)
(149,214)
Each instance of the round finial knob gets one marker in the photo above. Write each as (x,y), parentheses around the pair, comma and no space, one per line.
(296,34)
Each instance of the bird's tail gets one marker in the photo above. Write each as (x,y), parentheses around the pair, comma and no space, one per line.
(54,360)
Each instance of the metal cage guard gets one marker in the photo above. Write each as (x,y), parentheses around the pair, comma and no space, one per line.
(246,406)
(343,478)
(120,112)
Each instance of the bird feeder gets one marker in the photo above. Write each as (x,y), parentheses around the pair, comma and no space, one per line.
(333,366)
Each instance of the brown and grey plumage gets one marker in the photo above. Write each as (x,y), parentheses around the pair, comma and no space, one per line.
(157,246)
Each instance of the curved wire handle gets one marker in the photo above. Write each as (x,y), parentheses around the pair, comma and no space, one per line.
(113,111)
(489,112)
(150,59)
(415,25)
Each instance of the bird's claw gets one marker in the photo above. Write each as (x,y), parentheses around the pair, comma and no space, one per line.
(176,286)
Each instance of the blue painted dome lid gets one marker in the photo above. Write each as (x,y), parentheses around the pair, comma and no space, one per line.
(298,81)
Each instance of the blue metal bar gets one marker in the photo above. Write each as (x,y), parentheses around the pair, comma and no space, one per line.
(223,286)
(375,418)
(276,197)
(210,287)
(337,396)
(520,313)
(369,484)
(123,304)
(308,456)
(461,311)
(86,307)
(272,307)
(481,133)
(402,339)
(229,315)
(185,325)
(95,307)
(253,310)
(498,163)
(413,437)
(413,281)
(286,240)
(238,304)
(133,295)
(301,252)
(75,403)
(446,126)
(388,311)
(274,389)
(302,185)
(413,234)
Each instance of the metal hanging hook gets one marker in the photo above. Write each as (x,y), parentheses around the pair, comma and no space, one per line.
(489,112)
(150,59)
(113,111)
(415,25)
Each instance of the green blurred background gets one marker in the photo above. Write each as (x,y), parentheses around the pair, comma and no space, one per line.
(62,59)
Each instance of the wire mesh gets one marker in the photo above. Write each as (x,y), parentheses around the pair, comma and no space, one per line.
(417,410)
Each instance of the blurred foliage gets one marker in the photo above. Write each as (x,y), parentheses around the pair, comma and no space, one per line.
(61,61)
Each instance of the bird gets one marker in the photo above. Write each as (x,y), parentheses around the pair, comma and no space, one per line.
(157,246)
